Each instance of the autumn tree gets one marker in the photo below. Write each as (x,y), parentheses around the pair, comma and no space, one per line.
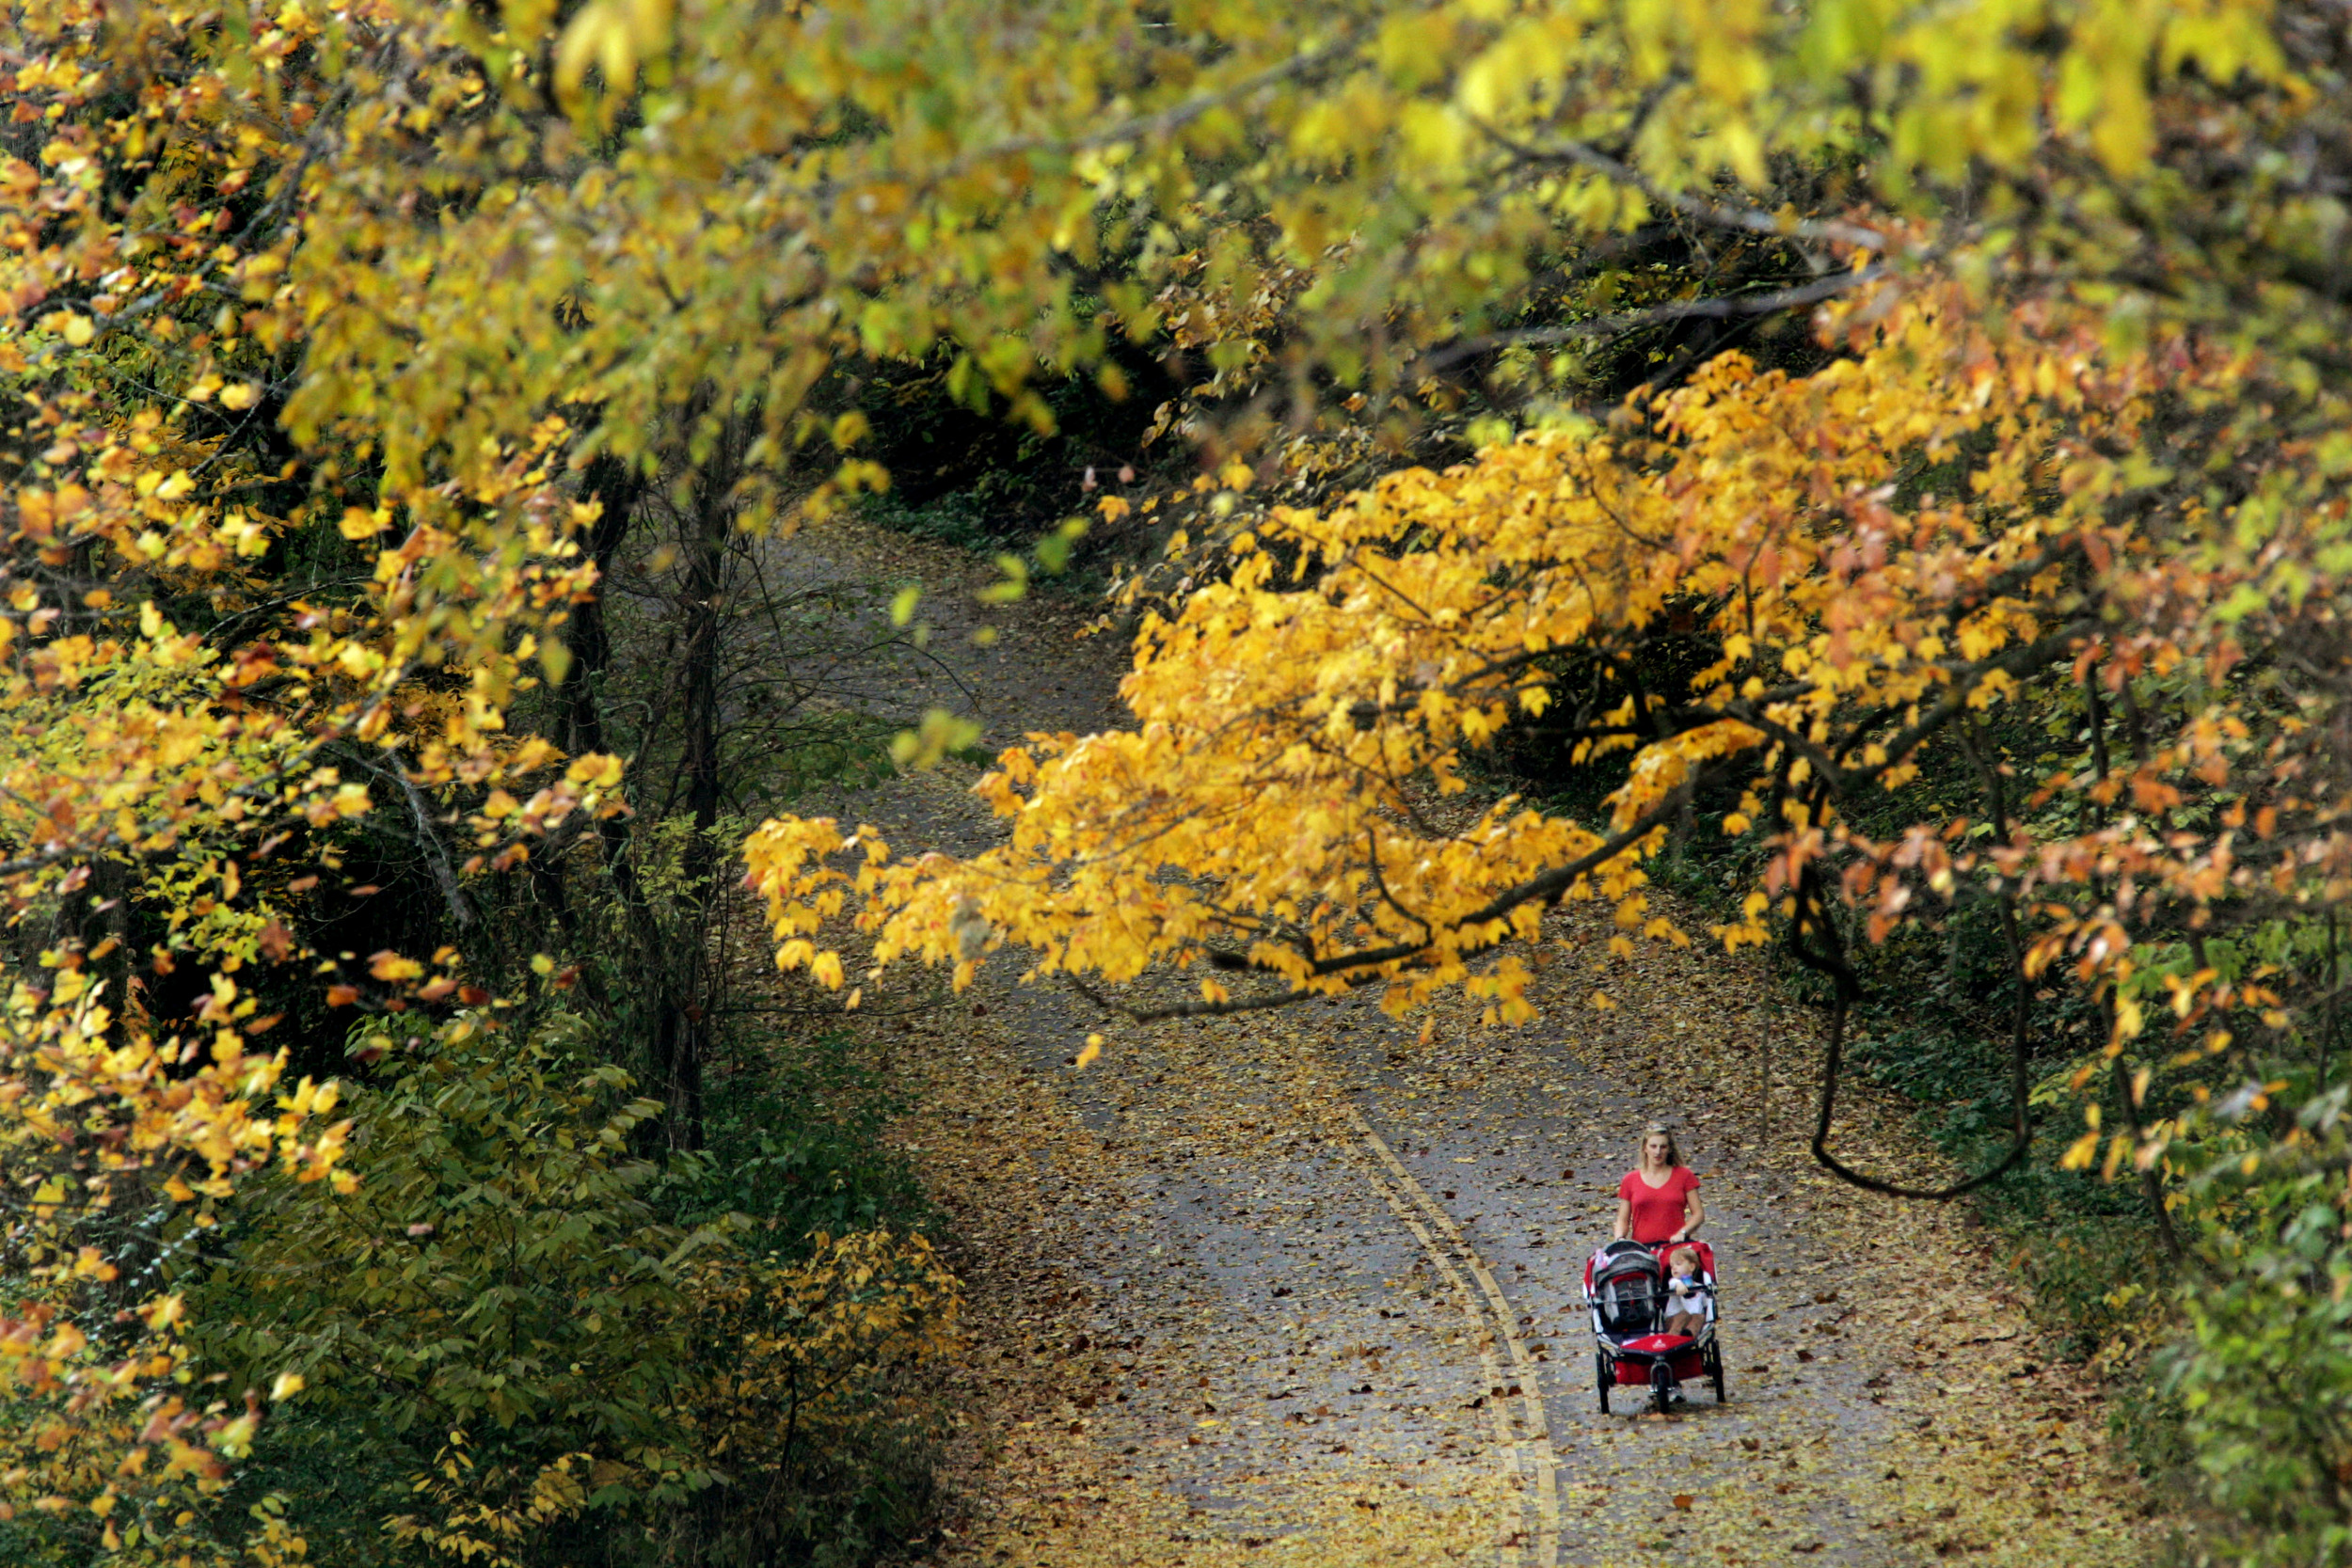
(349,346)
(232,653)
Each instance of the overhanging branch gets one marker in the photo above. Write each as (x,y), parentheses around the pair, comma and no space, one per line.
(1684,309)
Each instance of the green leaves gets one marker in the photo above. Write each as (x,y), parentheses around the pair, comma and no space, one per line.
(497,1213)
(2266,1372)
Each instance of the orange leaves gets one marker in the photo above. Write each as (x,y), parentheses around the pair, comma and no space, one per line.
(1280,798)
(389,966)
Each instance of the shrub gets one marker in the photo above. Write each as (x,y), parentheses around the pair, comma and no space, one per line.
(510,1352)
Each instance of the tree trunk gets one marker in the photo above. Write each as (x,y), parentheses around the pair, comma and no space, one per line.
(616,485)
(710,531)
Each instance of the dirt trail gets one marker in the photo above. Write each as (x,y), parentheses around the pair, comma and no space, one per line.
(1302,1289)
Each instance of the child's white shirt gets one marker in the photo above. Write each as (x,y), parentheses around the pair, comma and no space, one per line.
(1693,1302)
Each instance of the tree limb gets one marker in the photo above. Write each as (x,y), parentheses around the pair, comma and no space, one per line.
(1625,321)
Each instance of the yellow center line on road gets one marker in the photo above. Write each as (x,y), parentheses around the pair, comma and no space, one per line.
(1532,1459)
(1498,1411)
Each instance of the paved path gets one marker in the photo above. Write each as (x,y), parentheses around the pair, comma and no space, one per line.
(1302,1285)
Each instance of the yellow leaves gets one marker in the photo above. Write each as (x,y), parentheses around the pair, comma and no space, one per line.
(1738,934)
(234,1439)
(310,1099)
(74,327)
(593,771)
(160,759)
(2102,85)
(611,37)
(806,1341)
(356,523)
(1250,793)
(359,660)
(2128,1020)
(1009,588)
(1663,929)
(1088,1053)
(1436,135)
(929,743)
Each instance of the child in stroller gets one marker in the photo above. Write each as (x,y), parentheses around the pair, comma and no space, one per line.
(1686,1292)
(1643,1331)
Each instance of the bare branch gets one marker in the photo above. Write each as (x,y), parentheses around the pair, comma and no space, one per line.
(1687,309)
(1717,215)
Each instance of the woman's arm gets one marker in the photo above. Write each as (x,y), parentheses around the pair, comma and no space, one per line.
(1625,1219)
(1694,1215)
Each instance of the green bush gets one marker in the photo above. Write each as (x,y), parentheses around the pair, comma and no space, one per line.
(519,1343)
(2264,1377)
(796,1148)
(496,1296)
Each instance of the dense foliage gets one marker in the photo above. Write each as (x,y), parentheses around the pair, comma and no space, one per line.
(397,392)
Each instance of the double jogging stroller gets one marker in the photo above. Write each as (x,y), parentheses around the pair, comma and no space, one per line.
(1625,1286)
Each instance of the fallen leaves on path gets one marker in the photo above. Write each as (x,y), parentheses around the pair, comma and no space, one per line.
(1200,1336)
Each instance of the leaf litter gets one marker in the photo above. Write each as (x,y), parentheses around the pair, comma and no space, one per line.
(1197,1333)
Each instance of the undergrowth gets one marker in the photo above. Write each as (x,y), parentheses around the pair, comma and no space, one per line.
(431,1356)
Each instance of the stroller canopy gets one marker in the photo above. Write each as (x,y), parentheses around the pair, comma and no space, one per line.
(1628,1289)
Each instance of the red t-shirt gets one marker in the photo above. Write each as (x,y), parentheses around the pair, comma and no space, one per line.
(1657,1211)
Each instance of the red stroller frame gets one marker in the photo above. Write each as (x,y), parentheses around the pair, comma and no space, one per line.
(1624,1290)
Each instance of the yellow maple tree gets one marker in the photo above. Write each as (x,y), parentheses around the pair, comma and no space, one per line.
(1276,811)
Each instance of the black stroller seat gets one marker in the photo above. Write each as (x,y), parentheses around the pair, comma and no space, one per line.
(1628,1291)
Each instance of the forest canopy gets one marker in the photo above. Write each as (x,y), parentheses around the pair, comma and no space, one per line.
(1898,451)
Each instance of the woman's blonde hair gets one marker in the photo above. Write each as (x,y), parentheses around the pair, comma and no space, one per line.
(1659,1130)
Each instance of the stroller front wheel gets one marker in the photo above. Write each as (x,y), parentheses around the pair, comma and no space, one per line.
(1601,1379)
(1715,1370)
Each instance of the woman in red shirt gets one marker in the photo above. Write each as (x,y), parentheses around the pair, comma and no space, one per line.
(1658,1202)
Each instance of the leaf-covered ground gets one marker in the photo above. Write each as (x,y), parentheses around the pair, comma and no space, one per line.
(1303,1288)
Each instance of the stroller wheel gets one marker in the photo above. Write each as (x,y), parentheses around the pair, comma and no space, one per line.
(1662,1388)
(1601,1379)
(1715,1371)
